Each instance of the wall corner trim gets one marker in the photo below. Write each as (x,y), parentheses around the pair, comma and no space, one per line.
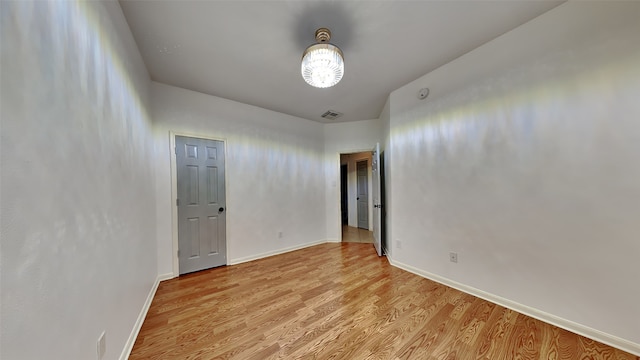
(569,325)
(143,314)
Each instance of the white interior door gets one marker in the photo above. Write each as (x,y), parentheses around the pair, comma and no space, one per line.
(201,204)
(377,202)
(362,194)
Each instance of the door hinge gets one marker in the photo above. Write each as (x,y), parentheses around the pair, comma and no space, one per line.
(178,252)
(177,202)
(175,150)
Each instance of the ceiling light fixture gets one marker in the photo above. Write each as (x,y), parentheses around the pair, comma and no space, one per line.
(322,63)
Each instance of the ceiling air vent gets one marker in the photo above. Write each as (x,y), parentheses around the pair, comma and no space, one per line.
(331,115)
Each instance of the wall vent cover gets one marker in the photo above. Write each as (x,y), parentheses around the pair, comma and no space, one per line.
(331,114)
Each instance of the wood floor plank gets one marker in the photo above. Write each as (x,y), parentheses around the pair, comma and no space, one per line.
(340,301)
(490,340)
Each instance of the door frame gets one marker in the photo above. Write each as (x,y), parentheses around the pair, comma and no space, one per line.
(337,167)
(344,200)
(174,192)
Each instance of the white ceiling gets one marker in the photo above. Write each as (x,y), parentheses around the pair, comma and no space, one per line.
(249,51)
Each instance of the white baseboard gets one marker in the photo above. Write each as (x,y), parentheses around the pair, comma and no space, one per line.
(569,325)
(333,240)
(274,252)
(143,313)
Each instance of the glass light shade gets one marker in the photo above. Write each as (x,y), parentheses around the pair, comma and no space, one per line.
(322,65)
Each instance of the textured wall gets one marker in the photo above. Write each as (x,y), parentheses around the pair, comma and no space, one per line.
(525,161)
(78,221)
(274,171)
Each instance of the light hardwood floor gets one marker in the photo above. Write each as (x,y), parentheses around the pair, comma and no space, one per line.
(340,301)
(353,234)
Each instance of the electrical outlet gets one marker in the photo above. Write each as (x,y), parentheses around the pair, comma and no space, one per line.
(279,234)
(453,257)
(102,345)
(398,244)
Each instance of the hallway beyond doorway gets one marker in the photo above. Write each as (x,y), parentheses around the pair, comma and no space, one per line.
(353,234)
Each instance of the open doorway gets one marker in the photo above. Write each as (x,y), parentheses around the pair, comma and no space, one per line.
(356,197)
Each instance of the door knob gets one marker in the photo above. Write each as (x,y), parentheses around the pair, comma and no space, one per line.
(221,209)
(358,198)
